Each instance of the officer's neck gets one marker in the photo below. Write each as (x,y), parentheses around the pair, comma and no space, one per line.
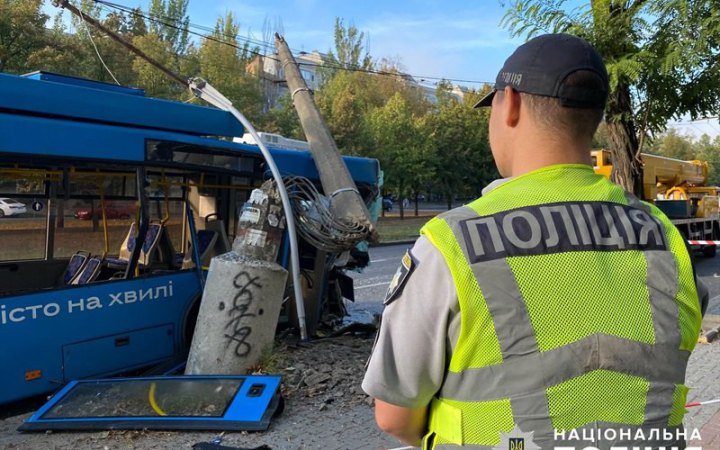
(534,150)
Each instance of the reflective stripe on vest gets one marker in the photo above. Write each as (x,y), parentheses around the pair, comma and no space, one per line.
(518,380)
(581,443)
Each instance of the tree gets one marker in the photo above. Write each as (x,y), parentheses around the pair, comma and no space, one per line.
(709,150)
(399,147)
(137,26)
(344,102)
(661,55)
(22,31)
(457,137)
(116,63)
(348,98)
(349,52)
(391,80)
(169,21)
(674,145)
(283,119)
(155,83)
(62,53)
(223,61)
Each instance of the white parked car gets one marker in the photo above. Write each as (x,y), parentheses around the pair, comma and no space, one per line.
(10,207)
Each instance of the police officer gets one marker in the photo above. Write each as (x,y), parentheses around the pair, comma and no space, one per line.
(554,309)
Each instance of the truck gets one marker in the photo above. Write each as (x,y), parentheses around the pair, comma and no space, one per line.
(680,189)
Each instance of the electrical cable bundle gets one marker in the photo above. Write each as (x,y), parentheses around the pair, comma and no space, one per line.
(316,222)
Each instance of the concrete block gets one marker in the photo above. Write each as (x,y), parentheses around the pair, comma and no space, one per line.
(238,315)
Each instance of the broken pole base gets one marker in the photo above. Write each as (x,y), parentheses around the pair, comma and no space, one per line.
(238,315)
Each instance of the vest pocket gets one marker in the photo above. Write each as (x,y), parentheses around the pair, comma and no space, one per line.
(446,422)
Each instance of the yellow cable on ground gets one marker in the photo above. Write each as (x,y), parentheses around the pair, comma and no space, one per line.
(153,403)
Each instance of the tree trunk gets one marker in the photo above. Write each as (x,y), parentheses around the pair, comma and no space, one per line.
(416,204)
(623,140)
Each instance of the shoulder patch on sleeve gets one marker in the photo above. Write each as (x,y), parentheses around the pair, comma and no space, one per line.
(407,264)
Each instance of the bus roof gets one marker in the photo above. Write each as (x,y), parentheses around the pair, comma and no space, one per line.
(69,118)
(60,96)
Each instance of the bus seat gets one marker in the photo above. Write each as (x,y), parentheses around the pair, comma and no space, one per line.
(150,245)
(90,272)
(166,253)
(152,237)
(206,240)
(127,245)
(206,243)
(75,266)
(222,245)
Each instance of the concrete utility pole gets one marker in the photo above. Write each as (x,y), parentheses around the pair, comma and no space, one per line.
(345,201)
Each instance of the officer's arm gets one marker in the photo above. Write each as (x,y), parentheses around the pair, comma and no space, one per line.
(702,289)
(406,424)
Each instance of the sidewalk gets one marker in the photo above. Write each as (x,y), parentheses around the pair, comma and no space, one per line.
(316,423)
(702,378)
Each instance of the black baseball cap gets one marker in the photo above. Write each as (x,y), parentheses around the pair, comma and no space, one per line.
(541,65)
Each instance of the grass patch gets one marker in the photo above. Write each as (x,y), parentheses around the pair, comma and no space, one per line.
(392,228)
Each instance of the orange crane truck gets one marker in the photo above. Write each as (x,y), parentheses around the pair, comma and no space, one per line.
(679,188)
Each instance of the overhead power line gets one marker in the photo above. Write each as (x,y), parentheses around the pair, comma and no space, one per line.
(92,41)
(688,122)
(169,23)
(204,28)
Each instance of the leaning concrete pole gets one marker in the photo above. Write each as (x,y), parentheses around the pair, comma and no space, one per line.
(346,203)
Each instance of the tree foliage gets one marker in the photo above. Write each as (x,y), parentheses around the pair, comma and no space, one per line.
(283,119)
(457,136)
(349,52)
(169,21)
(661,55)
(155,83)
(22,32)
(399,145)
(222,62)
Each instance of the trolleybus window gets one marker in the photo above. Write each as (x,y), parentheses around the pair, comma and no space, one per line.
(23,212)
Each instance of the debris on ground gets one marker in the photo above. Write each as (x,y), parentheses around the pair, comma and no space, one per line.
(328,371)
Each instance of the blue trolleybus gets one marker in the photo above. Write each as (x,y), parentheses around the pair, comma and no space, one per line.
(126,198)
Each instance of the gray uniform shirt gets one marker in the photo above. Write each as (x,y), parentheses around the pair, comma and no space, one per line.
(418,330)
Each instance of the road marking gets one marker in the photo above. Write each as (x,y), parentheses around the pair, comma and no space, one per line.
(372,285)
(381,260)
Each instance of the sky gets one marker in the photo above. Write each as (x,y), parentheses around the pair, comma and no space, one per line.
(430,39)
(458,40)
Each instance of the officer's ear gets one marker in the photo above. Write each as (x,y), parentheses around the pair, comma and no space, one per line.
(511,106)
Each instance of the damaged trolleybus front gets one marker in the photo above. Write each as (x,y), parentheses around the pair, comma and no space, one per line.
(117,293)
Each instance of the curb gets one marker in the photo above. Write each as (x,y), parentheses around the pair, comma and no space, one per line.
(711,334)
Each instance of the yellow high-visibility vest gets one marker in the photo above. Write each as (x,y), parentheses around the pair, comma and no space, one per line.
(578,314)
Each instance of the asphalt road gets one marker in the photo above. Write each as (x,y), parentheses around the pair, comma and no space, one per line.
(371,285)
(708,269)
